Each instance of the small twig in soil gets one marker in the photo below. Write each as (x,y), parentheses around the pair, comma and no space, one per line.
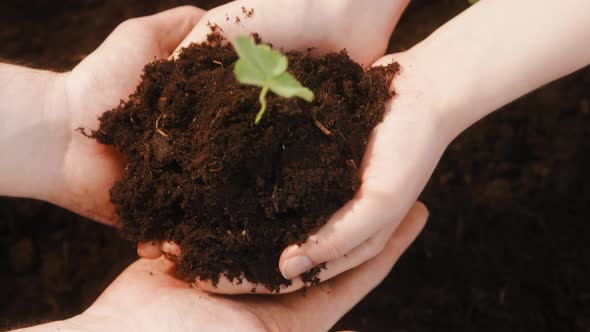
(322,127)
(344,141)
(217,169)
(273,198)
(162,102)
(82,131)
(352,164)
(214,26)
(218,63)
(158,130)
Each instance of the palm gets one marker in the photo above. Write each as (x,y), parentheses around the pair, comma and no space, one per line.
(147,297)
(361,28)
(102,81)
(149,290)
(112,72)
(149,285)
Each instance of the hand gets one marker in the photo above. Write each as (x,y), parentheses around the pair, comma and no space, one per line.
(112,72)
(468,68)
(147,297)
(476,63)
(363,28)
(107,76)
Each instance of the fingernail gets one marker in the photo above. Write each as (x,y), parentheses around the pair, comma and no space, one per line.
(295,266)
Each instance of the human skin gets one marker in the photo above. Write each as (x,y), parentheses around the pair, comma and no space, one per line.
(491,54)
(486,57)
(147,297)
(51,161)
(41,110)
(44,157)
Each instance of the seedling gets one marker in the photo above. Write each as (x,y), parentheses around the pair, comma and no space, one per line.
(261,66)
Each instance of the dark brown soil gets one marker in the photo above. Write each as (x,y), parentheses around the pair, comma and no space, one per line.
(506,248)
(231,193)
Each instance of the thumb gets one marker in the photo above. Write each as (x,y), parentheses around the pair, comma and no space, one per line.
(329,301)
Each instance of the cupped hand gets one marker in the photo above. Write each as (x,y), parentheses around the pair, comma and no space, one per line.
(147,297)
(99,83)
(358,231)
(401,155)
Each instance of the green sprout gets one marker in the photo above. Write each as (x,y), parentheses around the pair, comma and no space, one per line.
(472,2)
(261,66)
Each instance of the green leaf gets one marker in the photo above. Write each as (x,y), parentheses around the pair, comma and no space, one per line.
(261,58)
(285,85)
(261,66)
(248,74)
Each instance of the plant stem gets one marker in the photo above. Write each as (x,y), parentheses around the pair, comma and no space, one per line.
(262,99)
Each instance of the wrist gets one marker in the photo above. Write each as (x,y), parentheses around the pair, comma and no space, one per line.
(56,117)
(31,130)
(453,93)
(420,97)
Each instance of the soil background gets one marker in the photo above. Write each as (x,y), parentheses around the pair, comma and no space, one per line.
(506,247)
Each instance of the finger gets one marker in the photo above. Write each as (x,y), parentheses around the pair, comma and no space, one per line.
(172,26)
(384,16)
(233,20)
(350,226)
(149,250)
(411,225)
(292,25)
(167,29)
(170,249)
(325,304)
(403,236)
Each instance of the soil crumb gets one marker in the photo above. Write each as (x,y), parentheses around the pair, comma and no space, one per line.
(233,194)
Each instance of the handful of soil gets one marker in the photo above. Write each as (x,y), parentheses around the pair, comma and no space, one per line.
(230,193)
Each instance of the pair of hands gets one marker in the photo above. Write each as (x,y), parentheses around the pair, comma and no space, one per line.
(361,228)
(465,70)
(468,68)
(148,297)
